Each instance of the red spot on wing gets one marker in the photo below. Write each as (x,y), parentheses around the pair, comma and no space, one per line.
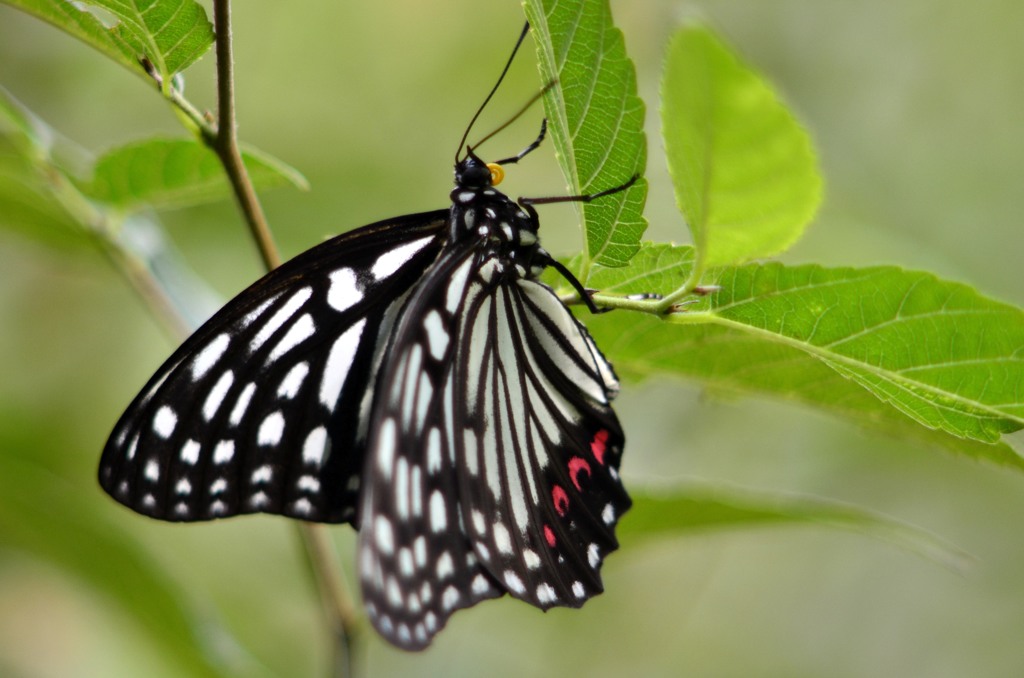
(549,534)
(598,445)
(561,499)
(577,464)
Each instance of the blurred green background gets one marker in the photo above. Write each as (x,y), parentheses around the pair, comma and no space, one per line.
(917,109)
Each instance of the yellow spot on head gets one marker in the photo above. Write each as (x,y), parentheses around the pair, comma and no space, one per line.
(497,173)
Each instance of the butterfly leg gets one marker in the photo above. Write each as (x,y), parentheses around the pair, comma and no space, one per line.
(536,142)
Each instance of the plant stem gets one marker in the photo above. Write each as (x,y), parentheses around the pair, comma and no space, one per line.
(333,591)
(324,564)
(226,142)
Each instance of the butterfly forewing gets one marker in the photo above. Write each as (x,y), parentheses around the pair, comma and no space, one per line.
(261,409)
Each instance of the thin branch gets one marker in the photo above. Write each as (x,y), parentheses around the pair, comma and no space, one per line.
(333,590)
(226,142)
(323,562)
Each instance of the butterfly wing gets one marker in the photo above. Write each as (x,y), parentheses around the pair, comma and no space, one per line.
(263,408)
(492,463)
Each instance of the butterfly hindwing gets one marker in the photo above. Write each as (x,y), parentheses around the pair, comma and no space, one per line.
(493,454)
(262,409)
(540,487)
(416,564)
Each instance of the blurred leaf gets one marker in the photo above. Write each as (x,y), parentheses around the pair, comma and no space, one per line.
(743,168)
(699,507)
(874,345)
(596,120)
(24,130)
(28,207)
(172,34)
(43,515)
(176,173)
(36,197)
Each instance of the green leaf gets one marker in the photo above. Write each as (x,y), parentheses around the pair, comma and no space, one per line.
(43,515)
(175,173)
(596,120)
(171,34)
(937,351)
(742,167)
(933,351)
(696,507)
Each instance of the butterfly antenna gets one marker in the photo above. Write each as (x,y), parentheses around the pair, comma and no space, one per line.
(522,110)
(508,64)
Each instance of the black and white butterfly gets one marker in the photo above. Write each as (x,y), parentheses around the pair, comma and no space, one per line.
(415,379)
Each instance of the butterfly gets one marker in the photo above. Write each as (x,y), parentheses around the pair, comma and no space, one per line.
(415,379)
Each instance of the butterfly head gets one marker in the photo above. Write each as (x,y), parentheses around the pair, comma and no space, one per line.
(472,173)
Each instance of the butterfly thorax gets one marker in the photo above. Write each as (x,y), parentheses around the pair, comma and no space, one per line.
(503,230)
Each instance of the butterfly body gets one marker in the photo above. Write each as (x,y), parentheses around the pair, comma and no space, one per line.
(415,379)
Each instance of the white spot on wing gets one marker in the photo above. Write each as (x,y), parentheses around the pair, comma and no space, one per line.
(608,514)
(478,522)
(308,484)
(438,514)
(457,286)
(384,535)
(271,429)
(252,315)
(514,583)
(164,422)
(190,452)
(217,394)
(578,590)
(263,474)
(402,488)
(416,487)
(224,452)
(303,328)
(391,261)
(433,450)
(386,442)
(314,447)
(152,471)
(242,404)
(279,318)
(339,362)
(445,566)
(450,598)
(344,292)
(502,539)
(419,549)
(480,585)
(292,381)
(209,356)
(437,336)
(423,400)
(405,565)
(546,594)
(302,506)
